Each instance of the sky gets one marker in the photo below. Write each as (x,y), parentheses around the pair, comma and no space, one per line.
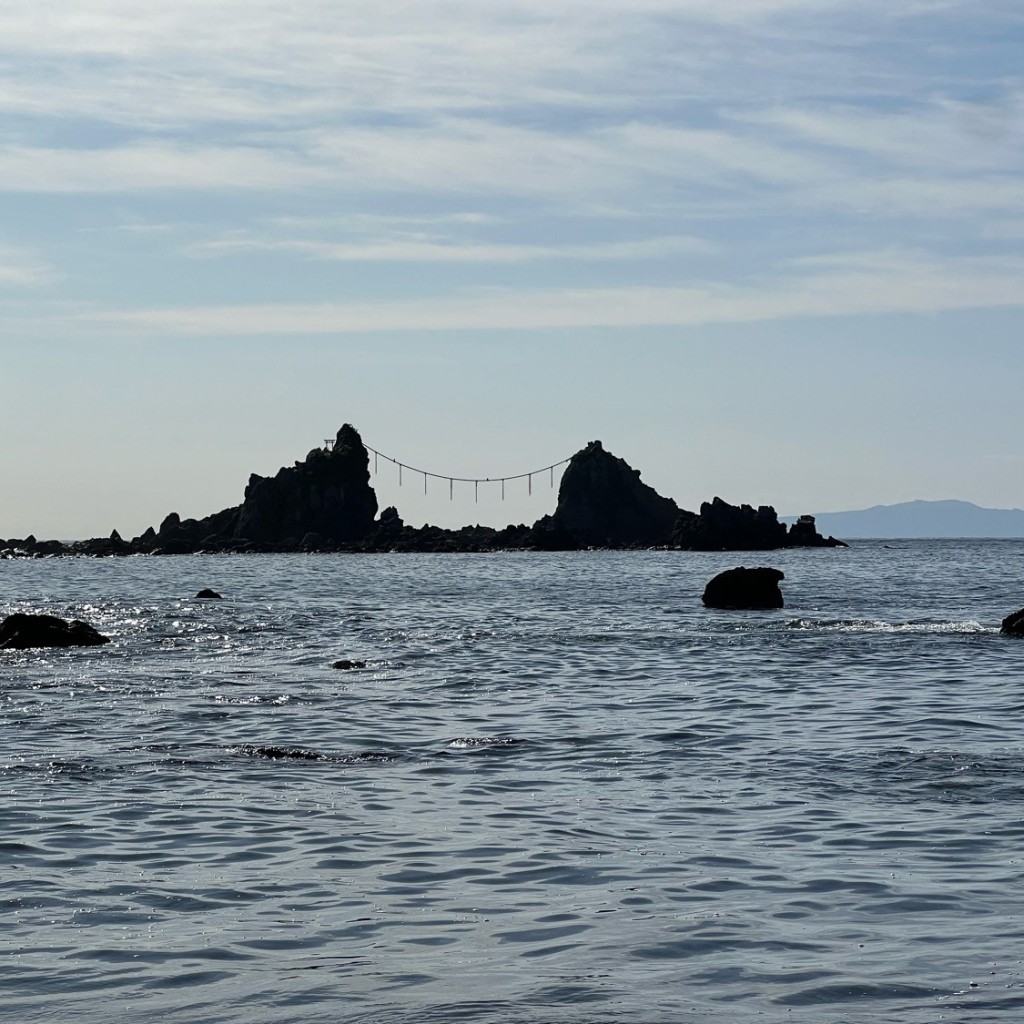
(771,250)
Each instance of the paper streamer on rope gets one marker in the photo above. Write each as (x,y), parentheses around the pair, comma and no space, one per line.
(476,481)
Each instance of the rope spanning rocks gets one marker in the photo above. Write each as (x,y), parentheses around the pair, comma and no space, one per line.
(326,503)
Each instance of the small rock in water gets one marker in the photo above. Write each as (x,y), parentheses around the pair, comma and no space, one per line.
(208,595)
(347,664)
(20,631)
(276,753)
(1013,625)
(745,588)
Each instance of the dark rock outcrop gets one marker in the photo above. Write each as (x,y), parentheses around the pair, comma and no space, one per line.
(316,505)
(325,504)
(1013,625)
(804,534)
(21,631)
(724,527)
(328,494)
(208,595)
(745,588)
(347,664)
(603,503)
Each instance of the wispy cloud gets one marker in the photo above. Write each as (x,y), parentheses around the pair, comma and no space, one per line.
(729,139)
(426,251)
(19,268)
(837,285)
(144,167)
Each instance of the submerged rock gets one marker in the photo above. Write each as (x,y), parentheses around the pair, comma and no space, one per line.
(347,664)
(208,595)
(745,588)
(603,503)
(21,631)
(279,753)
(1013,625)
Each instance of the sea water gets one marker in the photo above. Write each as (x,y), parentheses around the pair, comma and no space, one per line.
(559,790)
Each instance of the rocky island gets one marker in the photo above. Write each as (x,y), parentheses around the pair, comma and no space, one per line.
(325,503)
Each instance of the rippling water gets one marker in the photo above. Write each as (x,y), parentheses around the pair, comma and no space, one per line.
(559,790)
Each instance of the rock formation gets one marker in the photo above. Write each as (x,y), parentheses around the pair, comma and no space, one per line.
(745,588)
(316,504)
(21,631)
(724,527)
(329,494)
(1013,625)
(325,503)
(603,503)
(804,534)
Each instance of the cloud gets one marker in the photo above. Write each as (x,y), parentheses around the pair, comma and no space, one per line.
(745,132)
(149,166)
(839,285)
(20,268)
(413,250)
(938,136)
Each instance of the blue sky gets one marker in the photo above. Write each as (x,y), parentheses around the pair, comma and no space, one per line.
(768,249)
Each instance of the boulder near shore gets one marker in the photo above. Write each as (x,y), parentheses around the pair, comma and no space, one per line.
(22,631)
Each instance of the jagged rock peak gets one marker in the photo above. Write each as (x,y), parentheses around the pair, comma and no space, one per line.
(328,494)
(602,502)
(349,442)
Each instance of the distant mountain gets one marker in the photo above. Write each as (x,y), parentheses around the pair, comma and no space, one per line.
(912,519)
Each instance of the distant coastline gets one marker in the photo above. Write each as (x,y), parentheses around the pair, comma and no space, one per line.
(920,520)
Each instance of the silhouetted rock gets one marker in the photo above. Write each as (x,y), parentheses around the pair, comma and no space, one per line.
(315,505)
(329,494)
(745,588)
(1013,625)
(388,530)
(724,527)
(208,595)
(21,631)
(804,534)
(547,535)
(347,664)
(603,503)
(325,504)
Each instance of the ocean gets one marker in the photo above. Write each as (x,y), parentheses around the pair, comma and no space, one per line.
(559,790)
